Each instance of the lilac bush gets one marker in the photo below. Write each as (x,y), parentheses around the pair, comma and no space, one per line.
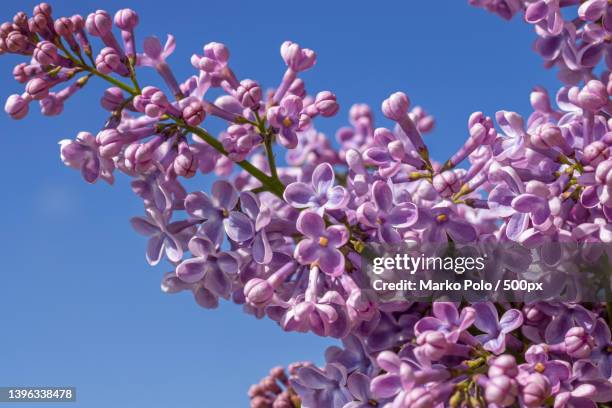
(286,242)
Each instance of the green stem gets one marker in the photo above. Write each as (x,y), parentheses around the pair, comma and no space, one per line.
(271,159)
(272,184)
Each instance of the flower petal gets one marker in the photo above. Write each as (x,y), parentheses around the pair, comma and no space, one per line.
(299,195)
(238,227)
(310,224)
(323,178)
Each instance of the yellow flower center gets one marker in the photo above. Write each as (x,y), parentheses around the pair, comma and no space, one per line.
(323,241)
(442,218)
(225,213)
(539,367)
(287,122)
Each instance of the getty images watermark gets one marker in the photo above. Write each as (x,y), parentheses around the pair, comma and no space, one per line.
(494,272)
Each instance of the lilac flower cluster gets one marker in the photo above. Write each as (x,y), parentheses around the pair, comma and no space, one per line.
(286,241)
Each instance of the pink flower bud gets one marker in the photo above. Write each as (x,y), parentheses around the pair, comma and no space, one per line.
(45,53)
(217,52)
(185,163)
(433,344)
(501,390)
(111,142)
(603,173)
(419,397)
(503,365)
(540,101)
(326,104)
(20,73)
(108,60)
(447,183)
(151,101)
(16,106)
(258,292)
(64,26)
(99,23)
(38,88)
(17,42)
(578,343)
(297,58)
(126,19)
(78,22)
(536,389)
(112,98)
(360,114)
(249,93)
(548,136)
(20,19)
(595,153)
(194,113)
(38,23)
(593,96)
(43,8)
(396,106)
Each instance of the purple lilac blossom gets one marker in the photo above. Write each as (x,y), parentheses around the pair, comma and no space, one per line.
(285,241)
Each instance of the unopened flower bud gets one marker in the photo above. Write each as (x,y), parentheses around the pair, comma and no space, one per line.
(536,389)
(16,106)
(396,106)
(45,53)
(595,153)
(112,98)
(548,136)
(603,173)
(578,342)
(258,292)
(44,9)
(420,397)
(433,344)
(503,365)
(38,88)
(296,57)
(249,93)
(111,142)
(126,19)
(194,113)
(447,183)
(108,60)
(540,101)
(17,42)
(593,96)
(99,23)
(326,104)
(151,101)
(501,390)
(64,26)
(185,163)
(217,51)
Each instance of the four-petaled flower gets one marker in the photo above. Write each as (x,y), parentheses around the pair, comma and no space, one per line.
(320,194)
(495,329)
(218,213)
(320,245)
(386,214)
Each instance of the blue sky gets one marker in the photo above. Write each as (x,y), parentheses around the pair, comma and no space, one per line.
(79,305)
